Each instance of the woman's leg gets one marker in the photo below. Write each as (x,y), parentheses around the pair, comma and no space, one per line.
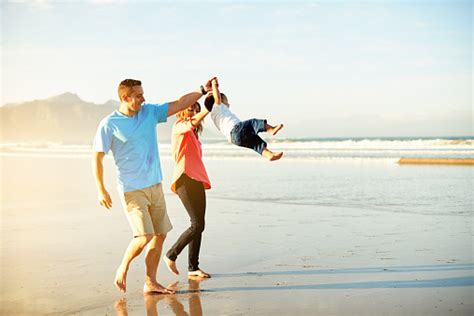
(194,246)
(191,193)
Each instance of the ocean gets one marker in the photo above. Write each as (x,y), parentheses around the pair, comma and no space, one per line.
(386,148)
(353,173)
(345,172)
(358,148)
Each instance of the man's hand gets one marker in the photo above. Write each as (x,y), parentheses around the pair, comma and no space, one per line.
(104,199)
(208,84)
(189,99)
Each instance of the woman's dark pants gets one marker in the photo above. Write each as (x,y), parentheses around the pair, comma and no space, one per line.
(193,196)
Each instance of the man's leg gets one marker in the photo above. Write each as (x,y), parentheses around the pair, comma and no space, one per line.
(161,226)
(152,259)
(135,247)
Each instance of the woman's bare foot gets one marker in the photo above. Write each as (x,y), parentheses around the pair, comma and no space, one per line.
(156,288)
(274,129)
(270,155)
(199,273)
(121,279)
(171,265)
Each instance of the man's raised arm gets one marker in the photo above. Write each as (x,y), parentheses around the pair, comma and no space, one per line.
(189,99)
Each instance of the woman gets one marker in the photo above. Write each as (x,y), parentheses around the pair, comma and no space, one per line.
(189,182)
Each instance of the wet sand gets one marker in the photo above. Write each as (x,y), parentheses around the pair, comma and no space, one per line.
(60,250)
(437,161)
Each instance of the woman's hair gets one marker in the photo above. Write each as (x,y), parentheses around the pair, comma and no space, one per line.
(183,115)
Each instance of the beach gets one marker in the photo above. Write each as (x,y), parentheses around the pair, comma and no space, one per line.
(297,236)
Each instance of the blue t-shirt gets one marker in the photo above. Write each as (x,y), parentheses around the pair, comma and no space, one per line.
(134,145)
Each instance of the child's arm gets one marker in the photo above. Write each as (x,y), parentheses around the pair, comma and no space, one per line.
(215,91)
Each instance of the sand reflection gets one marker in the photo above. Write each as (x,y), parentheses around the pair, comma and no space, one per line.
(175,302)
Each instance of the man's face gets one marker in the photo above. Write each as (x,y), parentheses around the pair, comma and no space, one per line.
(136,99)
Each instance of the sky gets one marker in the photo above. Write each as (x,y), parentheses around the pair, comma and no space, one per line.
(323,68)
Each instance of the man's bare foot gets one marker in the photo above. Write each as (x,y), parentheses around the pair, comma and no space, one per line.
(121,279)
(274,129)
(171,265)
(156,288)
(199,273)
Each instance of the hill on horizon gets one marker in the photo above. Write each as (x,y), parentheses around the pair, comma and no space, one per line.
(64,118)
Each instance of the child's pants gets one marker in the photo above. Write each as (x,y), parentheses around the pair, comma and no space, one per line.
(245,133)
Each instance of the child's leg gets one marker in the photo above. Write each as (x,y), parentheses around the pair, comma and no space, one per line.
(245,135)
(258,125)
(270,155)
(262,126)
(273,129)
(260,146)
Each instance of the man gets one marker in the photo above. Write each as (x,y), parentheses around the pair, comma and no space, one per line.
(130,132)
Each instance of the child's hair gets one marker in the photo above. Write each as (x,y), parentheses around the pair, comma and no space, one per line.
(209,101)
(183,115)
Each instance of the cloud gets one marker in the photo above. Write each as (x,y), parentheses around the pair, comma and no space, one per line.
(421,24)
(425,62)
(105,2)
(37,4)
(238,7)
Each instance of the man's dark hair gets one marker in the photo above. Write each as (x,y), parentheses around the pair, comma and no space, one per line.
(131,83)
(126,86)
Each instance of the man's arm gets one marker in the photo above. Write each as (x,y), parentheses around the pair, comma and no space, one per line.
(188,99)
(98,167)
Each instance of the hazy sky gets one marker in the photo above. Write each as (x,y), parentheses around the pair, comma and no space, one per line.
(325,68)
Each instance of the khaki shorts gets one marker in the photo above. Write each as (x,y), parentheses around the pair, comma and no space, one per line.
(146,211)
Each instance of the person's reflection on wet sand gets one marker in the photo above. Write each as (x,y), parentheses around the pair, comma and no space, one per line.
(193,295)
(194,299)
(121,307)
(151,300)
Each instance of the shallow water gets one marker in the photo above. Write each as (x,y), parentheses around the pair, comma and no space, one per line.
(377,185)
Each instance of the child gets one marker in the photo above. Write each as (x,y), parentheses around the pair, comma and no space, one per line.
(240,133)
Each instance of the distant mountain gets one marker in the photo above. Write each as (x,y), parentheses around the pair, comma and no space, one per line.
(64,118)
